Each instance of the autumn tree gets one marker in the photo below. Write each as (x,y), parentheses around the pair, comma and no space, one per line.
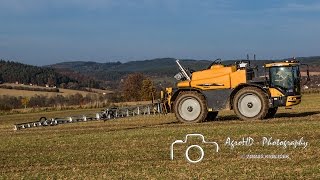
(148,90)
(132,86)
(25,101)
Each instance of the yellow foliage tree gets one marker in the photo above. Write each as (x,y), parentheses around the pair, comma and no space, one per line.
(148,90)
(25,101)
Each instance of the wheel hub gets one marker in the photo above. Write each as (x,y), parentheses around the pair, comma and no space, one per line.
(249,105)
(189,109)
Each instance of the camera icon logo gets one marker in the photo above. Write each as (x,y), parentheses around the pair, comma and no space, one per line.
(215,145)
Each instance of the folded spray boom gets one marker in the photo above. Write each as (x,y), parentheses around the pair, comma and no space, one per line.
(106,114)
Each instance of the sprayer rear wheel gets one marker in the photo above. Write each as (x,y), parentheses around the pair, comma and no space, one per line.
(190,107)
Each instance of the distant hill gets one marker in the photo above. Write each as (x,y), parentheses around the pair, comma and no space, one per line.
(162,69)
(116,71)
(312,60)
(159,66)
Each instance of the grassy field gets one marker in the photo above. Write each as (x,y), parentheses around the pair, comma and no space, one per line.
(63,92)
(139,147)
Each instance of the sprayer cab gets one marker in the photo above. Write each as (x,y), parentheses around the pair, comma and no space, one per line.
(284,81)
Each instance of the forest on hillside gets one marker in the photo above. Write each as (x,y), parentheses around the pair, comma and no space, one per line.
(108,75)
(15,72)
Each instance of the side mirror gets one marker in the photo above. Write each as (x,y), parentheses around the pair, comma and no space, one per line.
(308,75)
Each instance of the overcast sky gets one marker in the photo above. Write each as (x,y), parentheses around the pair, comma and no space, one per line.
(43,32)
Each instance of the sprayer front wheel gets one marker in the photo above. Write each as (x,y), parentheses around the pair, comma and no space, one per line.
(251,103)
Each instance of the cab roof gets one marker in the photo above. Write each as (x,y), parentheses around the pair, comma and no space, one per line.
(284,63)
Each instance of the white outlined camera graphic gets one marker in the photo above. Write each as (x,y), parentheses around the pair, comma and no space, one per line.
(215,145)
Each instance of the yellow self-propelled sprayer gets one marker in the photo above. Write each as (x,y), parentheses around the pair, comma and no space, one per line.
(202,94)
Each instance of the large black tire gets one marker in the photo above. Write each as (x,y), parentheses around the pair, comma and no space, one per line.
(190,107)
(271,112)
(211,116)
(251,103)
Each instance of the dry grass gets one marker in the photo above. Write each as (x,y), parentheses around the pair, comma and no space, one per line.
(24,93)
(138,148)
(64,92)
